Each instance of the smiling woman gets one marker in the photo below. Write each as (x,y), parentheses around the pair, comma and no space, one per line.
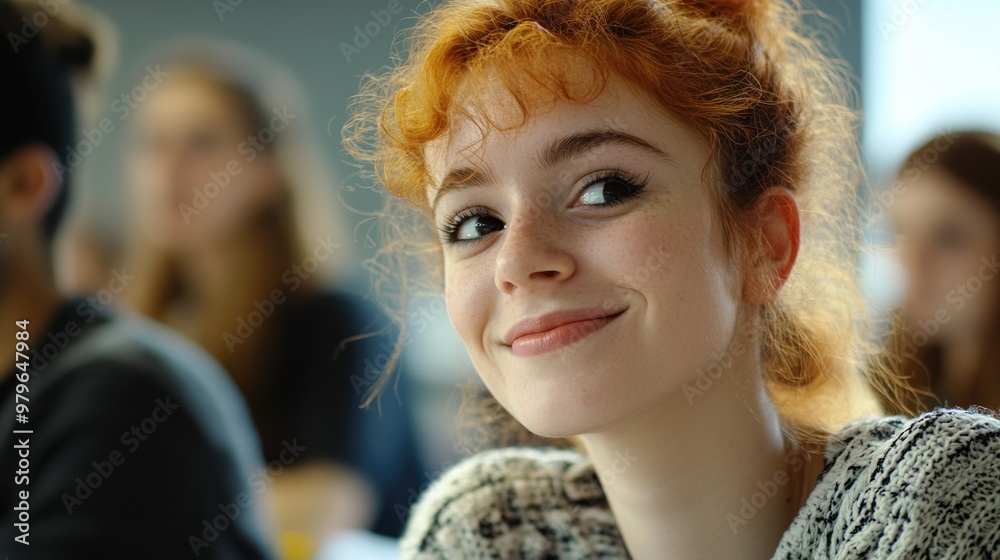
(555,272)
(631,196)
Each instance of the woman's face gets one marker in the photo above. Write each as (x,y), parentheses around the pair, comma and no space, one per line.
(194,167)
(585,263)
(947,238)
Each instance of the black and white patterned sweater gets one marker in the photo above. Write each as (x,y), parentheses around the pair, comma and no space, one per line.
(891,487)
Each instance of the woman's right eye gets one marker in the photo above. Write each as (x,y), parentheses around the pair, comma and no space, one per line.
(471,225)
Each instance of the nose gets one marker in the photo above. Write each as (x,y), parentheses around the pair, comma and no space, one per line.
(915,255)
(533,252)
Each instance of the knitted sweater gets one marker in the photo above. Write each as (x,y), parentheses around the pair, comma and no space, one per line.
(891,487)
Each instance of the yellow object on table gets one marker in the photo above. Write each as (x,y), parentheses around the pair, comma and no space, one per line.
(297,546)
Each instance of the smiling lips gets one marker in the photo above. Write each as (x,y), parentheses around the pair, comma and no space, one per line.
(538,335)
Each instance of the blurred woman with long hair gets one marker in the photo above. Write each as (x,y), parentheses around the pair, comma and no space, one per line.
(946,216)
(233,240)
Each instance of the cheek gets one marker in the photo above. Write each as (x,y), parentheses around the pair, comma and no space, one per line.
(951,270)
(469,293)
(678,256)
(250,188)
(256,180)
(678,267)
(145,180)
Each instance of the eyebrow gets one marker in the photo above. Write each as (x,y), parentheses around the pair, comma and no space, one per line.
(558,151)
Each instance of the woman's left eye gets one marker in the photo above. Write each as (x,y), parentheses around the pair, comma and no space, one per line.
(611,190)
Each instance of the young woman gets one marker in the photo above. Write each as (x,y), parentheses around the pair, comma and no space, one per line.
(947,219)
(644,220)
(231,242)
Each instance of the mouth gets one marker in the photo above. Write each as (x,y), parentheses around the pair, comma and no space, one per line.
(547,333)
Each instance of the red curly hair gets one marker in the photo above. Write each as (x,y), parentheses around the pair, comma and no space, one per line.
(768,99)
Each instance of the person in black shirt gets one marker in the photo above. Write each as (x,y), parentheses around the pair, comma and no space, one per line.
(119,439)
(235,244)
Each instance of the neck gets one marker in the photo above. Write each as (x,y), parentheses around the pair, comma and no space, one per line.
(716,481)
(964,360)
(30,295)
(237,267)
(225,281)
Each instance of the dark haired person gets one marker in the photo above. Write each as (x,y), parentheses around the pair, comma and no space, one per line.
(947,219)
(119,439)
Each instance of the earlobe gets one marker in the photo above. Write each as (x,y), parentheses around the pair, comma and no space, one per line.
(778,244)
(29,184)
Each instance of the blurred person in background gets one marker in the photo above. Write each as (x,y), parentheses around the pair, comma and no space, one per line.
(233,244)
(946,338)
(120,439)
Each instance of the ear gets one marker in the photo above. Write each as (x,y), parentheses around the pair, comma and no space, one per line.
(777,234)
(28,185)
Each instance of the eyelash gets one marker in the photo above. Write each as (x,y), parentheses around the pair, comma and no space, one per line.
(636,185)
(633,181)
(450,228)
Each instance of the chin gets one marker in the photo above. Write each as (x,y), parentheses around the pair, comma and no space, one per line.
(554,425)
(566,402)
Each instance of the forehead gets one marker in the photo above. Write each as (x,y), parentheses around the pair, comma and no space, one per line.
(493,131)
(188,95)
(934,192)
